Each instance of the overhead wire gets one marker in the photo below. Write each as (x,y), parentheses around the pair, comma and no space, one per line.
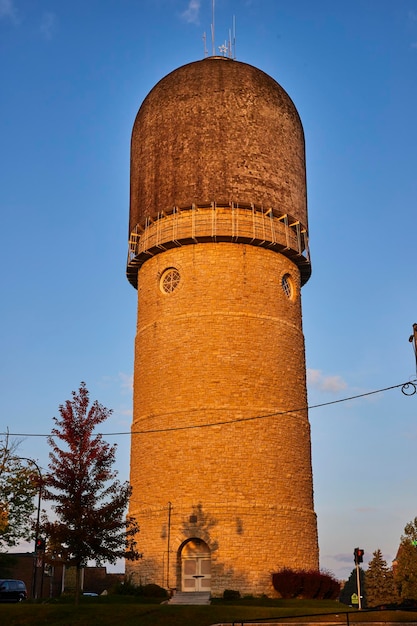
(235,420)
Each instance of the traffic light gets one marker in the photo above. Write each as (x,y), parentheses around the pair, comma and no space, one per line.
(40,544)
(358,555)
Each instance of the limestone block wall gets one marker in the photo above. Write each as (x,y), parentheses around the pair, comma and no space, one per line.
(220,434)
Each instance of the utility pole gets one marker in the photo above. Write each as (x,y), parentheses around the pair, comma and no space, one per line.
(413,339)
(38,515)
(168,540)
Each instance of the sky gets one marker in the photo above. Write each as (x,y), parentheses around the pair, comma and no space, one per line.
(73,76)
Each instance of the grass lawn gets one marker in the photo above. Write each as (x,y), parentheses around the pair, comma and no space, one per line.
(123,611)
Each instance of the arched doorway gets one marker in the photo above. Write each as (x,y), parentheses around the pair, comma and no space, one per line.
(195,566)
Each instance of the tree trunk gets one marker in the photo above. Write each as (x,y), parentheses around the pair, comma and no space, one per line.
(77,584)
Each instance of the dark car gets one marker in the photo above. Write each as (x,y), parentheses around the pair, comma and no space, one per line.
(12,590)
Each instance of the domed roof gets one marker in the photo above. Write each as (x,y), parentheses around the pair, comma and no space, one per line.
(217,130)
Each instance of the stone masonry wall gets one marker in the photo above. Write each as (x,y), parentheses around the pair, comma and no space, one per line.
(225,346)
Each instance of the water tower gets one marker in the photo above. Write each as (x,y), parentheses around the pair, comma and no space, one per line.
(218,251)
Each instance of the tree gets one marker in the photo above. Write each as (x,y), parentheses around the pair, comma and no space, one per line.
(410,531)
(405,576)
(18,485)
(89,502)
(351,586)
(379,582)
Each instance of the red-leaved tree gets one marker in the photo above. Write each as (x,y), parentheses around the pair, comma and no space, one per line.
(88,501)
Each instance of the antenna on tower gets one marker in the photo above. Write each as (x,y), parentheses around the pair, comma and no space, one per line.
(228,48)
(234,38)
(213,47)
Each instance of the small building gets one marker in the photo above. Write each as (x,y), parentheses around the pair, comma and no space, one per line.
(53,577)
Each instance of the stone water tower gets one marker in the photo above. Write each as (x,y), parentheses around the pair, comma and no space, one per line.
(218,251)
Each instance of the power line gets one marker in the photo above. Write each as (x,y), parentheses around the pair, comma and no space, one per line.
(409,388)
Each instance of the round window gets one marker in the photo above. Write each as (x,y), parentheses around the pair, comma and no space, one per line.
(287,285)
(169,280)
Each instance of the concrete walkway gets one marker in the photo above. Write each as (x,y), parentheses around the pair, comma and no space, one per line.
(190,598)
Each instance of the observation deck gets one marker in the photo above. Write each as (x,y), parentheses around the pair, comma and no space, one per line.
(217,222)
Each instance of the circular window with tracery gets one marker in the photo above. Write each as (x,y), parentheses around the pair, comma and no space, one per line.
(170,280)
(287,286)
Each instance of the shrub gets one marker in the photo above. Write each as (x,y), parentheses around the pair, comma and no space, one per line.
(311,583)
(127,588)
(154,591)
(329,588)
(287,582)
(231,594)
(305,584)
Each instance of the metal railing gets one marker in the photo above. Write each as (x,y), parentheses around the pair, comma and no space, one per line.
(214,222)
(344,617)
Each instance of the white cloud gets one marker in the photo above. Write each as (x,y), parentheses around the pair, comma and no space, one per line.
(48,24)
(191,14)
(126,381)
(342,558)
(332,384)
(8,10)
(122,382)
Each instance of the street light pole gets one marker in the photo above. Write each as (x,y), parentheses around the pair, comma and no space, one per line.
(38,516)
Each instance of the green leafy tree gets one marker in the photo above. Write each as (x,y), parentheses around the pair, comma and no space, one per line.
(89,502)
(379,582)
(410,531)
(18,485)
(405,576)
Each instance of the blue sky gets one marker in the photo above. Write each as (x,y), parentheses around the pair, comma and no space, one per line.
(73,75)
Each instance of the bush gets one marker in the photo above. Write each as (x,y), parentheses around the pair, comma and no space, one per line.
(287,582)
(154,591)
(310,585)
(329,587)
(127,588)
(231,594)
